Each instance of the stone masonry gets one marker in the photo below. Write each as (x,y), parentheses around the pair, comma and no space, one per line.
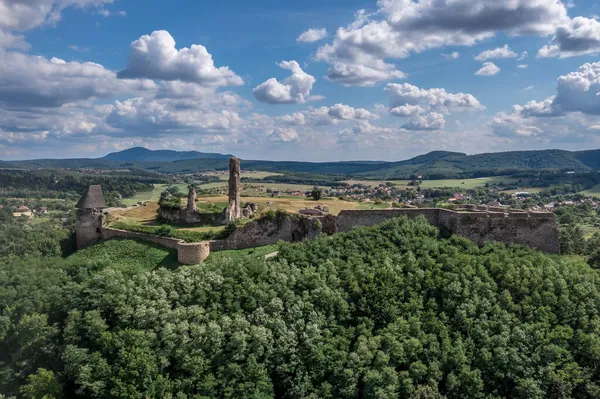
(191,200)
(234,211)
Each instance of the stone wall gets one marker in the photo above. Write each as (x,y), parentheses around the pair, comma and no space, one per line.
(537,230)
(187,253)
(290,228)
(89,227)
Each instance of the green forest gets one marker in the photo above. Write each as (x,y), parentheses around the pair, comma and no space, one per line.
(389,311)
(433,165)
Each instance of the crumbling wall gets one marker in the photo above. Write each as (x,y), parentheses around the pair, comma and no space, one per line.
(291,228)
(536,230)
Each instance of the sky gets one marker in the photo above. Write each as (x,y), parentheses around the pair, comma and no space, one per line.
(310,81)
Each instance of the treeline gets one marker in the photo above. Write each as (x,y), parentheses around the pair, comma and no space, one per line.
(49,237)
(50,184)
(383,312)
(300,178)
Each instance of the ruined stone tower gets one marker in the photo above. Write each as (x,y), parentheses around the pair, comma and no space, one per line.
(234,211)
(191,200)
(90,217)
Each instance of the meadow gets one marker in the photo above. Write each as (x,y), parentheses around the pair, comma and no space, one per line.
(467,184)
(594,191)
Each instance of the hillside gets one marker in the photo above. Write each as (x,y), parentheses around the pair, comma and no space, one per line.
(389,311)
(142,154)
(434,165)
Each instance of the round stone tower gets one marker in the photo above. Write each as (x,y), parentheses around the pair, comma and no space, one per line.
(90,217)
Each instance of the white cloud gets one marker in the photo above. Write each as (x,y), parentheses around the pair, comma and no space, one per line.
(283,135)
(12,41)
(580,36)
(24,15)
(488,69)
(292,90)
(433,121)
(567,117)
(528,88)
(346,112)
(522,66)
(363,75)
(524,55)
(295,119)
(500,52)
(454,55)
(165,115)
(404,27)
(154,56)
(312,35)
(578,91)
(38,82)
(406,99)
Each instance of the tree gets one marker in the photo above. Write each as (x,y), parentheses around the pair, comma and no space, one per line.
(316,193)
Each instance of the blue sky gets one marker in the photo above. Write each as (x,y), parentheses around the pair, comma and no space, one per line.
(311,80)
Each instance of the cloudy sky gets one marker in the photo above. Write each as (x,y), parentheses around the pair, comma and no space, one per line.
(311,80)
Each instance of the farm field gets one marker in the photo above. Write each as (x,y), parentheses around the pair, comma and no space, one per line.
(532,190)
(460,183)
(153,195)
(595,191)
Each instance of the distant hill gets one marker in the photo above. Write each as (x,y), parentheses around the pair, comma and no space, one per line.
(146,155)
(433,165)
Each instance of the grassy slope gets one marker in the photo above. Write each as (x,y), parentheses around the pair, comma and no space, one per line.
(129,256)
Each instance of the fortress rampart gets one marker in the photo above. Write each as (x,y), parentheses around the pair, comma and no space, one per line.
(535,229)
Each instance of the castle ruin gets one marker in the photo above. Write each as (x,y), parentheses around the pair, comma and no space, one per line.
(90,217)
(480,224)
(234,211)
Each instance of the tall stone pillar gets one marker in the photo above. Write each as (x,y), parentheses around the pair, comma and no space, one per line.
(191,200)
(90,217)
(234,211)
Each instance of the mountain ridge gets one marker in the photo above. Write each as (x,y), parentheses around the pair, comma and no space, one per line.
(433,165)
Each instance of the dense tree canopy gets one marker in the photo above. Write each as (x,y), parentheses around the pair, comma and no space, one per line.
(390,311)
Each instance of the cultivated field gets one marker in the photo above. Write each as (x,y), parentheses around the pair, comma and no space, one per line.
(460,183)
(595,191)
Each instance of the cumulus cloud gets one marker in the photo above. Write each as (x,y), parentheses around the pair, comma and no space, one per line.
(36,81)
(432,121)
(363,75)
(488,69)
(283,135)
(500,52)
(163,116)
(454,55)
(522,66)
(346,112)
(404,27)
(312,35)
(567,116)
(297,118)
(578,91)
(292,90)
(155,56)
(25,15)
(12,41)
(580,36)
(406,99)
